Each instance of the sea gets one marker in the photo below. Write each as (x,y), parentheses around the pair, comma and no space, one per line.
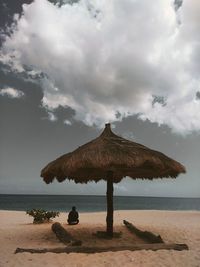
(92,203)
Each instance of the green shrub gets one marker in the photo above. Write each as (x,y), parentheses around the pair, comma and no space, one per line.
(41,216)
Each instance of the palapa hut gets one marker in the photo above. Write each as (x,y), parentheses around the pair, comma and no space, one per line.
(111,158)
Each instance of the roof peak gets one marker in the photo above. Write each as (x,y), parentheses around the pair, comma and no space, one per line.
(107,131)
(108,125)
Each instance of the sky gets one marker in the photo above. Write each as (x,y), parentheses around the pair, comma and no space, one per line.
(69,67)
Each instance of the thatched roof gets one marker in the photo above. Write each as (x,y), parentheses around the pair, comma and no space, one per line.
(111,153)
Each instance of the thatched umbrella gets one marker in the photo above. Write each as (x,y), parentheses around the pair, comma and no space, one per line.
(111,158)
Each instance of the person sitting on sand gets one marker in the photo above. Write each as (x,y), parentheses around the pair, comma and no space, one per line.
(73,217)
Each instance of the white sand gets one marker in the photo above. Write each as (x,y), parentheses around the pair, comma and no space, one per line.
(17,230)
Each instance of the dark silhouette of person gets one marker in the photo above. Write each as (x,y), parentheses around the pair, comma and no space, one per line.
(73,217)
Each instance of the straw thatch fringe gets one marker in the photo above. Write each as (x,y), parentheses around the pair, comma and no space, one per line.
(111,153)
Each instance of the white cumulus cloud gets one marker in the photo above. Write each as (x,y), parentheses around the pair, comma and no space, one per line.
(67,122)
(112,59)
(52,116)
(11,92)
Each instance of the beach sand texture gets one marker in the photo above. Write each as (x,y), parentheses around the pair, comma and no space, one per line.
(17,230)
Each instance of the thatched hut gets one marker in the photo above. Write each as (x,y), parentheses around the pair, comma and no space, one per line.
(111,158)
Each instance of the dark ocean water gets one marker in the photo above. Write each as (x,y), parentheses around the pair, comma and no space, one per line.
(95,203)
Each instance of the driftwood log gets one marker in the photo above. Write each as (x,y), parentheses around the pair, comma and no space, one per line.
(64,236)
(145,235)
(153,247)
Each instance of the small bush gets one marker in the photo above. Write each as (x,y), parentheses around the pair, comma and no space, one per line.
(41,216)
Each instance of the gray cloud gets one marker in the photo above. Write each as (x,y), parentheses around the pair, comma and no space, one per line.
(178,4)
(105,58)
(158,99)
(198,95)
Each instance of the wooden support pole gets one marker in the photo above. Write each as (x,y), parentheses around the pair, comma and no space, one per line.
(109,195)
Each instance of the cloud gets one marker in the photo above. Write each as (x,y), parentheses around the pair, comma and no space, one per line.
(120,188)
(111,59)
(198,95)
(67,122)
(11,92)
(52,116)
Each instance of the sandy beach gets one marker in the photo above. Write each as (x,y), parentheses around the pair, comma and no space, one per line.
(17,230)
